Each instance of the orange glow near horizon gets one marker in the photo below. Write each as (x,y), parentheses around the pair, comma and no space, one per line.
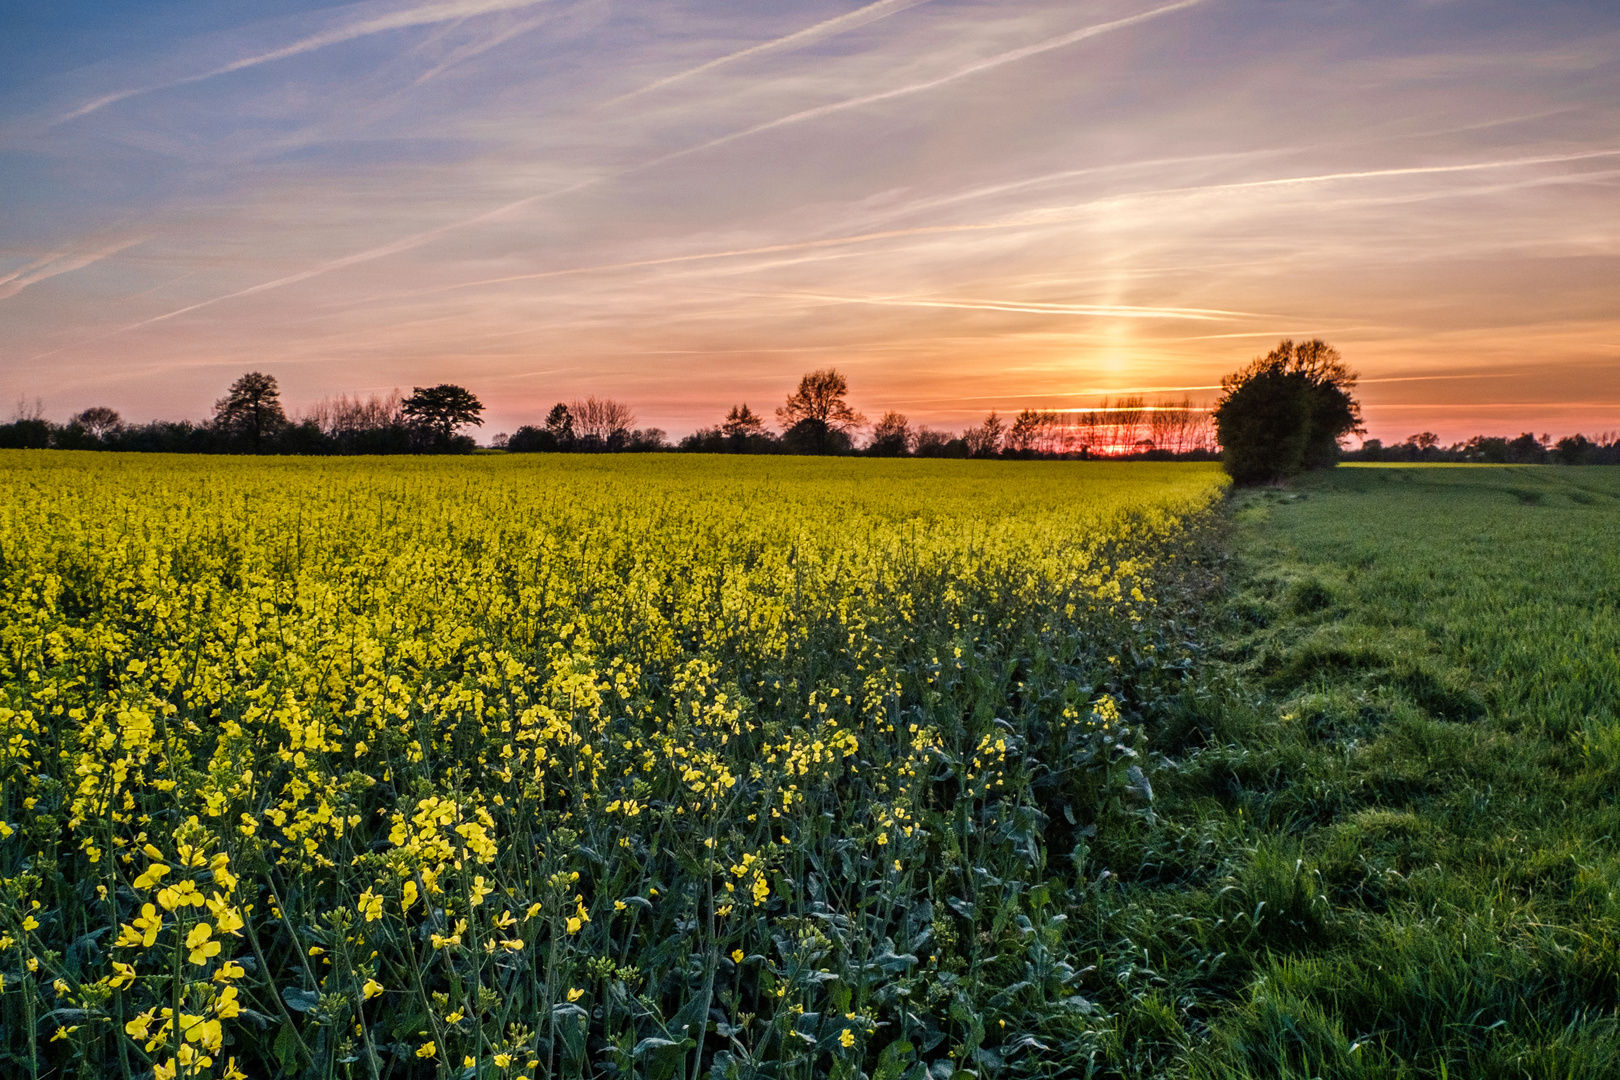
(963,206)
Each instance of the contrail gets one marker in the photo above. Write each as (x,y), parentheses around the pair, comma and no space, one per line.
(467,52)
(1027,221)
(464,8)
(397,20)
(1022,222)
(58,262)
(1414,170)
(394,248)
(1121,311)
(858,17)
(1432,378)
(917,88)
(768,249)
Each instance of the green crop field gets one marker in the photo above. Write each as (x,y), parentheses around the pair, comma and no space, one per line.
(502,768)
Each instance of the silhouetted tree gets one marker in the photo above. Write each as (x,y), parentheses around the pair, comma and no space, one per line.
(1125,421)
(356,425)
(529,439)
(1029,429)
(742,432)
(815,437)
(817,418)
(931,443)
(1574,449)
(251,410)
(560,423)
(601,423)
(985,440)
(646,441)
(742,424)
(1527,450)
(1285,412)
(742,421)
(25,433)
(98,421)
(437,413)
(892,437)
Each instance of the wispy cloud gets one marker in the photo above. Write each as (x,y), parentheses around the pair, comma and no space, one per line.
(1114,311)
(464,8)
(364,25)
(475,49)
(1026,219)
(798,39)
(986,191)
(1409,170)
(976,68)
(396,247)
(60,262)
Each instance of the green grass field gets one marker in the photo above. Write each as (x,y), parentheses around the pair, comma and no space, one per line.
(1387,818)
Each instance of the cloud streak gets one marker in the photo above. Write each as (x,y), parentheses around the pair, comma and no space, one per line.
(999,200)
(1011,56)
(423,15)
(475,49)
(440,12)
(1113,311)
(810,34)
(59,262)
(396,247)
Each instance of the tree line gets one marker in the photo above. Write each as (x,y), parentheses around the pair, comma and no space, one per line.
(250,419)
(816,418)
(1288,412)
(1285,412)
(1527,449)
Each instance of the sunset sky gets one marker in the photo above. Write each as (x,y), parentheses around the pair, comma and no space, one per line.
(683,204)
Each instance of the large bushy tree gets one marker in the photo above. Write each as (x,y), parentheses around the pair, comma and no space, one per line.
(817,418)
(892,437)
(99,421)
(251,412)
(1285,412)
(437,413)
(601,423)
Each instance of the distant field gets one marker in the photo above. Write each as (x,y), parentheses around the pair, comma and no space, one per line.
(1387,827)
(619,765)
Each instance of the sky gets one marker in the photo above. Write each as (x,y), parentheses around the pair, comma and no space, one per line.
(962,205)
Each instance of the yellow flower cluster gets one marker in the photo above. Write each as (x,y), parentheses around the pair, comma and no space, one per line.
(396,756)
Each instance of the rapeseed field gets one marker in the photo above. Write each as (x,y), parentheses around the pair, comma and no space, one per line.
(569,766)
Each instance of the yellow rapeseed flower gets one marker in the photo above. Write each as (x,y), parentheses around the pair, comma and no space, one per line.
(150,876)
(202,949)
